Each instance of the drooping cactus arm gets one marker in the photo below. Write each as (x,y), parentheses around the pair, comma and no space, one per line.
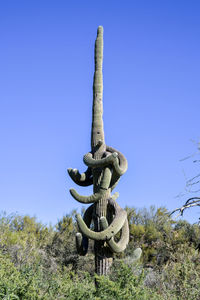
(121,164)
(108,233)
(104,185)
(121,245)
(82,241)
(81,244)
(87,199)
(82,179)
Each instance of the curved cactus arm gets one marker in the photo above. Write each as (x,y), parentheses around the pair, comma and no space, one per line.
(104,185)
(100,163)
(81,244)
(87,199)
(120,246)
(82,241)
(82,179)
(108,233)
(121,164)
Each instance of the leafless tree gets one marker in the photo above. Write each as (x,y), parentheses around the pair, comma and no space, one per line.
(192,185)
(191,202)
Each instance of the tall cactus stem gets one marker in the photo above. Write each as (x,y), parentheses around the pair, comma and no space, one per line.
(105,166)
(97,110)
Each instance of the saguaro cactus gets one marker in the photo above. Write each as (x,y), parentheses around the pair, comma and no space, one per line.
(105,165)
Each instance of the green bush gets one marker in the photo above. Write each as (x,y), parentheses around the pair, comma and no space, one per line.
(39,262)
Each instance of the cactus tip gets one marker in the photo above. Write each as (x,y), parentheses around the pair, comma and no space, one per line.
(100,29)
(115,154)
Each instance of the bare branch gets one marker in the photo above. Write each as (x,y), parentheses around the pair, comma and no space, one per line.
(191,202)
(190,181)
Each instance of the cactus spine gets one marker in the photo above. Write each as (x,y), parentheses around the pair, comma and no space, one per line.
(105,166)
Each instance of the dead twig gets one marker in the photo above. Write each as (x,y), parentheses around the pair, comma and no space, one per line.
(191,202)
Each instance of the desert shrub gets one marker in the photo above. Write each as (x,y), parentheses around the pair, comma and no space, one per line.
(124,282)
(39,262)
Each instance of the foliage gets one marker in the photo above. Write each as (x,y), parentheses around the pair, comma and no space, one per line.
(40,262)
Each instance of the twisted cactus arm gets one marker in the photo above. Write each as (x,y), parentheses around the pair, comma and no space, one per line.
(120,246)
(82,179)
(82,241)
(121,164)
(116,158)
(109,232)
(100,163)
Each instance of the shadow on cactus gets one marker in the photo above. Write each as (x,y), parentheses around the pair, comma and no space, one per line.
(105,166)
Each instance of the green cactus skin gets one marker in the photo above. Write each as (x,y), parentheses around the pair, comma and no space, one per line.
(121,245)
(99,163)
(81,244)
(122,166)
(84,179)
(82,241)
(97,134)
(106,234)
(104,185)
(115,158)
(105,166)
(87,199)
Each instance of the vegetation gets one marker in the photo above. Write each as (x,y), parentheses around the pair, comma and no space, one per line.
(192,186)
(40,262)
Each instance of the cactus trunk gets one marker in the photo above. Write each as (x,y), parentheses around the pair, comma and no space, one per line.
(97,135)
(105,166)
(103,255)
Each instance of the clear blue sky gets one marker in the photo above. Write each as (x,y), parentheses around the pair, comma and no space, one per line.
(151,99)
